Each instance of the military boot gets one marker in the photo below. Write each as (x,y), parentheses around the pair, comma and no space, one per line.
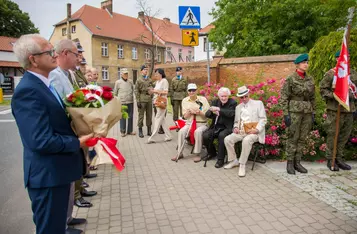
(298,167)
(149,131)
(141,135)
(341,164)
(290,167)
(329,164)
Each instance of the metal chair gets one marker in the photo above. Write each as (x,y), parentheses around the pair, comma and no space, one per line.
(256,148)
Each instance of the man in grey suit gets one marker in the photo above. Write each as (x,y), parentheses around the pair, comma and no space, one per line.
(249,112)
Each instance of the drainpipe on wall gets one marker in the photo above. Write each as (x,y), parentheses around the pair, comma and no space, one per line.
(69,13)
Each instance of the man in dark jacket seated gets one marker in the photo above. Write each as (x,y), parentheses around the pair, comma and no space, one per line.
(222,113)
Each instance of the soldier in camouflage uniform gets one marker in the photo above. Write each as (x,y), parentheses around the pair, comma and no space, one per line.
(298,103)
(177,92)
(143,92)
(346,118)
(77,77)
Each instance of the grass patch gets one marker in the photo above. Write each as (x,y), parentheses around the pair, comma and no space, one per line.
(353,202)
(5,103)
(343,189)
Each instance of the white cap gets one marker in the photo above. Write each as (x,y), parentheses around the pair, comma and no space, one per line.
(191,86)
(124,70)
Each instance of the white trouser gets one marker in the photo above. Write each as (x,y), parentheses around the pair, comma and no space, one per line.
(160,121)
(201,127)
(247,143)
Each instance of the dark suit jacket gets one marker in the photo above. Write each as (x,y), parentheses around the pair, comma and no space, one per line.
(52,154)
(226,115)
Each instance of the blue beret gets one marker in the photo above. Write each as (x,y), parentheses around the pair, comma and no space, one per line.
(178,69)
(301,58)
(143,67)
(339,52)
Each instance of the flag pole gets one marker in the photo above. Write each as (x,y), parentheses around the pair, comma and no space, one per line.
(350,17)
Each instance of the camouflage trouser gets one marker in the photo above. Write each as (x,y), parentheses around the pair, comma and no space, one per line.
(146,108)
(345,128)
(299,129)
(177,109)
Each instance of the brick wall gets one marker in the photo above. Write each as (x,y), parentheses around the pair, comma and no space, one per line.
(247,70)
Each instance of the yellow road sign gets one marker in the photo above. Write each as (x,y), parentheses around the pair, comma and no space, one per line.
(190,37)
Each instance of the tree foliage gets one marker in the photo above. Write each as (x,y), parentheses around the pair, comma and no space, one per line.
(14,22)
(267,27)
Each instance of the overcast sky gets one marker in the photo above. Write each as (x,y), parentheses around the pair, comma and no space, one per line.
(45,13)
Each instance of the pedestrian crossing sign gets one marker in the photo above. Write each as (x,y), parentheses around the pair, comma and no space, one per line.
(190,37)
(189,17)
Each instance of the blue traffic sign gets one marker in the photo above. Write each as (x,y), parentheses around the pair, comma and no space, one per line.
(189,17)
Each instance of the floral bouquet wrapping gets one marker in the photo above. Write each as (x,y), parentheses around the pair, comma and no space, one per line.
(94,109)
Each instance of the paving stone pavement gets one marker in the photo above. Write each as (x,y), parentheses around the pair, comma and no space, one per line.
(155,195)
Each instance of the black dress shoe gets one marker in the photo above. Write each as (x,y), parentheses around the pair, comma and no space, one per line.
(85,185)
(77,221)
(336,168)
(82,203)
(219,164)
(88,176)
(73,231)
(341,164)
(161,130)
(86,193)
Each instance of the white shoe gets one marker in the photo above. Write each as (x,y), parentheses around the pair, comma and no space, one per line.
(234,163)
(241,172)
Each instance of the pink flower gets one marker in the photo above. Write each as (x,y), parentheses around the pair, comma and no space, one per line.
(354,139)
(323,147)
(324,116)
(273,128)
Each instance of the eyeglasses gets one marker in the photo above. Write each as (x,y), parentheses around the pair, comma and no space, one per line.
(244,97)
(76,54)
(49,52)
(192,90)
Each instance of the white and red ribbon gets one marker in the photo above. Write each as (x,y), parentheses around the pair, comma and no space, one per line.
(109,146)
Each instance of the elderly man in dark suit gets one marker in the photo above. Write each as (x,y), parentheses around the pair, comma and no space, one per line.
(52,152)
(222,113)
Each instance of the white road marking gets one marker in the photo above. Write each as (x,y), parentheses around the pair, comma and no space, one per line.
(7,120)
(5,112)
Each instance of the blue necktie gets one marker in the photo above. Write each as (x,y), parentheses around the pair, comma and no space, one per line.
(53,90)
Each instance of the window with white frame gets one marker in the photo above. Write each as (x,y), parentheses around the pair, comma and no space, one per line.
(180,54)
(158,56)
(64,31)
(147,54)
(105,49)
(73,29)
(120,51)
(134,53)
(105,73)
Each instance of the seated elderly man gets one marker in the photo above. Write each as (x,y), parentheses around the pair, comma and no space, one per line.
(193,107)
(249,127)
(222,114)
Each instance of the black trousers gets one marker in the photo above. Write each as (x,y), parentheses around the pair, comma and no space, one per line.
(208,138)
(49,207)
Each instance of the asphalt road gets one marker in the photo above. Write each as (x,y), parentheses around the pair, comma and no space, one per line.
(15,209)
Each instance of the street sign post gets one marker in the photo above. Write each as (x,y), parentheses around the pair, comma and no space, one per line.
(190,37)
(189,17)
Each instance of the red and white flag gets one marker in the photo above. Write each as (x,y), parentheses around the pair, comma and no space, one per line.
(342,77)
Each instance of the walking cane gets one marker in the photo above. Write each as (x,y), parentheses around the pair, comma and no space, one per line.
(185,140)
(211,140)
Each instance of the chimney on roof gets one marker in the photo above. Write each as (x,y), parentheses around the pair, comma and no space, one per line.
(108,4)
(69,14)
(167,20)
(141,16)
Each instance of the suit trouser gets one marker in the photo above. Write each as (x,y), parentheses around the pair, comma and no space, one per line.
(208,142)
(78,188)
(49,207)
(177,109)
(345,129)
(201,127)
(70,203)
(247,143)
(146,108)
(130,120)
(160,121)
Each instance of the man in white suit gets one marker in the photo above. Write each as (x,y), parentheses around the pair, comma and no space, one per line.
(248,112)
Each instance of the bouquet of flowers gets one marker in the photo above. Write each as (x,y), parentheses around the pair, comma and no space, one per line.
(94,109)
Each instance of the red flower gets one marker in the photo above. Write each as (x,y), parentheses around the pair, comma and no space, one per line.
(70,98)
(107,95)
(107,88)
